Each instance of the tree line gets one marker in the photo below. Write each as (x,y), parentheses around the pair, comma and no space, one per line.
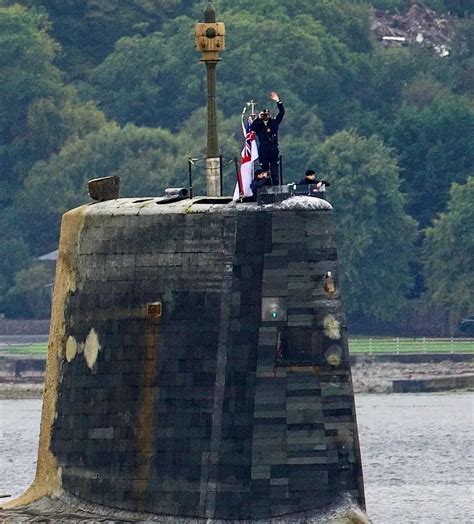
(93,88)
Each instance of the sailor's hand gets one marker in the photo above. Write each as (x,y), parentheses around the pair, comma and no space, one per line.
(274,96)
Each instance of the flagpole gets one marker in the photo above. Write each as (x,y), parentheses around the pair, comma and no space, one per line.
(248,156)
(244,132)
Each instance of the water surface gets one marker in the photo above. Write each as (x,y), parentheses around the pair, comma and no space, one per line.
(417,455)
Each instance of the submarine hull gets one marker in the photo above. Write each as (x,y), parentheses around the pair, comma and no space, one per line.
(198,363)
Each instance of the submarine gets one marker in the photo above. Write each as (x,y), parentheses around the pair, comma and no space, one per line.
(198,366)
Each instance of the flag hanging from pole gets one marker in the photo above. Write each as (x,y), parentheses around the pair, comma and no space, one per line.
(248,156)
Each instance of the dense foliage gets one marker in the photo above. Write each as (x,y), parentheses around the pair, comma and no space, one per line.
(376,236)
(449,252)
(93,87)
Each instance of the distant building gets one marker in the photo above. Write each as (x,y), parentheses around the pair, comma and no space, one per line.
(49,257)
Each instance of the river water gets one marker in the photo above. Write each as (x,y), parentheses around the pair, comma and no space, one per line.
(417,455)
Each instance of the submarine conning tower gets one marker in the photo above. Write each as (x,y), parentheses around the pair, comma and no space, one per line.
(198,362)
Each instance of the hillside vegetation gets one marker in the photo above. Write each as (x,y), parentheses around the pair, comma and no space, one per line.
(93,88)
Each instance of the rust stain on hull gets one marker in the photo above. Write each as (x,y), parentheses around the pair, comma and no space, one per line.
(145,416)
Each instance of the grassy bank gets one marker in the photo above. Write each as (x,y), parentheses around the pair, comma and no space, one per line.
(26,349)
(356,345)
(410,345)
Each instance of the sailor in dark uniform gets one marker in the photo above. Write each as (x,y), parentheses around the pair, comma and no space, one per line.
(266,129)
(261,178)
(310,178)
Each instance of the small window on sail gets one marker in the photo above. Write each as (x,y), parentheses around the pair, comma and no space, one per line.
(298,346)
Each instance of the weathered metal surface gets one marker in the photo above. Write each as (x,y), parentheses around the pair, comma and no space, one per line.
(215,409)
(106,188)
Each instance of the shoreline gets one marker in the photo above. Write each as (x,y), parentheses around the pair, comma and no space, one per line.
(23,391)
(369,375)
(372,376)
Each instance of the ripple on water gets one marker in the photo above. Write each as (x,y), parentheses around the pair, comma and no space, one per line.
(417,454)
(19,436)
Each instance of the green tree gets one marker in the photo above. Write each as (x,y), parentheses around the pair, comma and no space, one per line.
(435,144)
(136,59)
(310,70)
(14,255)
(152,80)
(462,8)
(147,82)
(88,29)
(462,57)
(423,91)
(26,54)
(449,253)
(349,21)
(383,77)
(38,113)
(375,235)
(143,158)
(30,296)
